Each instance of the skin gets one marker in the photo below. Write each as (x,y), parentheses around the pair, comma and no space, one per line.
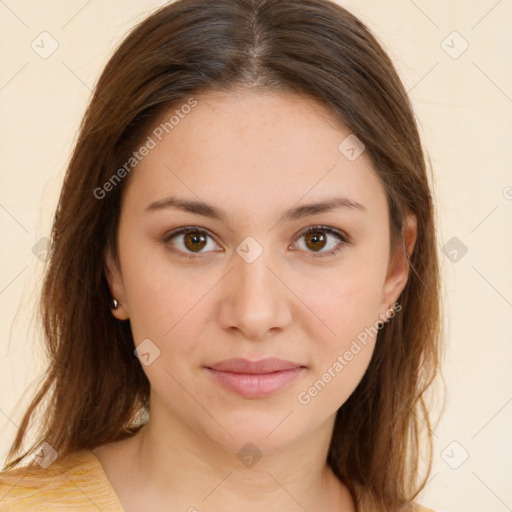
(255,155)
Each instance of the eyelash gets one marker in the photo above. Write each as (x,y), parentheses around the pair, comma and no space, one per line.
(344,239)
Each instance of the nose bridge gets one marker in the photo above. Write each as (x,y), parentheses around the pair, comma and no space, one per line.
(256,302)
(254,283)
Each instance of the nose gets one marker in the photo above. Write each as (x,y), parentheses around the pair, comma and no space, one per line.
(255,299)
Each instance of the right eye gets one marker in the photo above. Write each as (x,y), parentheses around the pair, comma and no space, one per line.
(189,241)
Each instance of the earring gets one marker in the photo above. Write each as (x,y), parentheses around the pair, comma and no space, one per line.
(114,304)
(381,323)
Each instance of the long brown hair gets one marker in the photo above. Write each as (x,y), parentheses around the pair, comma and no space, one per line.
(94,388)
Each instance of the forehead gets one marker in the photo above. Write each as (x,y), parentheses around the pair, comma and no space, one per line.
(253,149)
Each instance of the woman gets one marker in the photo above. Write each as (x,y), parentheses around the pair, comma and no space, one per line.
(241,306)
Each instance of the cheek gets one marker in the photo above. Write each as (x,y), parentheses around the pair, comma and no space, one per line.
(340,357)
(158,295)
(348,301)
(348,305)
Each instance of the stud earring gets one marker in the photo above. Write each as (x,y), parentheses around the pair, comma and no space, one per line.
(114,304)
(382,323)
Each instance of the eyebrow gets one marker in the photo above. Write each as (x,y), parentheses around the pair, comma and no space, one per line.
(295,213)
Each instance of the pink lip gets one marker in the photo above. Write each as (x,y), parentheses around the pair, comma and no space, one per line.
(255,379)
(240,365)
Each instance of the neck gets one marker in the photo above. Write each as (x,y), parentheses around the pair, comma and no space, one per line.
(167,463)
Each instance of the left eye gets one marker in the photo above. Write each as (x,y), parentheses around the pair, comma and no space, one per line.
(317,237)
(315,240)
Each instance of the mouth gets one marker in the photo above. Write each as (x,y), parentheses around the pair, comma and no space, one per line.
(255,379)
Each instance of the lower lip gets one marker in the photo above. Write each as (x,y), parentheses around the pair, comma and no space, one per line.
(252,385)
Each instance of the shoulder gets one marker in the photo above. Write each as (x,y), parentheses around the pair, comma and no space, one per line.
(71,481)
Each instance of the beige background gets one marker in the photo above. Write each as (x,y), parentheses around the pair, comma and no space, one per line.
(464,103)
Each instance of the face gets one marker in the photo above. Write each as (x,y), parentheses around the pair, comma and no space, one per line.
(258,274)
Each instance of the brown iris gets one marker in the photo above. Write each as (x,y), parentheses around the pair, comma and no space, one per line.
(314,238)
(194,241)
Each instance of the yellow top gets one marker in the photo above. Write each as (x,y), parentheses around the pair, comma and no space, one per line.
(75,483)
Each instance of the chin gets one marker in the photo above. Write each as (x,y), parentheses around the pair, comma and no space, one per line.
(266,432)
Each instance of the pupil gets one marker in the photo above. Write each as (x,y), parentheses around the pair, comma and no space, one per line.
(316,238)
(192,241)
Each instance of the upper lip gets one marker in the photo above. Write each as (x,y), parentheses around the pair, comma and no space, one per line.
(240,365)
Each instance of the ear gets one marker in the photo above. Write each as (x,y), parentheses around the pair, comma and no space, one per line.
(116,286)
(398,268)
